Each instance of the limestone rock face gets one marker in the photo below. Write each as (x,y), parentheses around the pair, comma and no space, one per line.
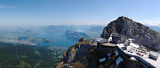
(142,34)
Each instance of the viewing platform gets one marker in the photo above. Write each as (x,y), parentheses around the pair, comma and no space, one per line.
(148,58)
(109,44)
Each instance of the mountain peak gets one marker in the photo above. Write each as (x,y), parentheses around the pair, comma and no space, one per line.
(123,18)
(124,26)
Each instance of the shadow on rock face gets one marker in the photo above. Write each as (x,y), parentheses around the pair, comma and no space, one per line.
(130,64)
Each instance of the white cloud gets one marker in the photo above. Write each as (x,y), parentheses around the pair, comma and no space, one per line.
(150,23)
(5,6)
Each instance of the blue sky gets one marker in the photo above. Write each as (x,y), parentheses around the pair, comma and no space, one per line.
(77,12)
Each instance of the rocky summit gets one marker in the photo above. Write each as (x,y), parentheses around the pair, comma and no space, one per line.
(142,34)
(92,53)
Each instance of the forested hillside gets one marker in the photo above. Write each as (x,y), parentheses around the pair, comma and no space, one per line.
(27,56)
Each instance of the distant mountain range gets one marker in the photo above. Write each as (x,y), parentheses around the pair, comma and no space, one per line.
(157,28)
(51,35)
(75,36)
(38,46)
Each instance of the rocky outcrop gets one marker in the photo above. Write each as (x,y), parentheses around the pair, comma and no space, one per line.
(85,55)
(142,34)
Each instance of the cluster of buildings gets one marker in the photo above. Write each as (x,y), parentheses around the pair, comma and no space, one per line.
(139,52)
(147,57)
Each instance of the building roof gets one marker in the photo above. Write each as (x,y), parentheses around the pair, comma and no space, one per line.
(108,44)
(102,40)
(134,45)
(153,53)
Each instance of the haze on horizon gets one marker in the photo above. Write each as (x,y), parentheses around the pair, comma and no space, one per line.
(77,12)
